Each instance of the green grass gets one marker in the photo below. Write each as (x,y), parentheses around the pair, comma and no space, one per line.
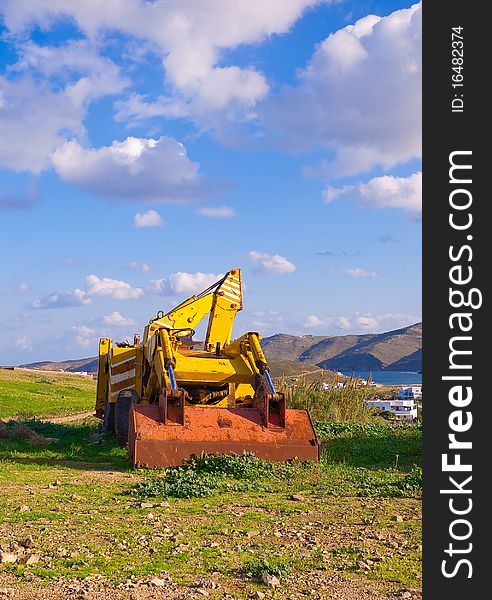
(345,404)
(235,516)
(32,393)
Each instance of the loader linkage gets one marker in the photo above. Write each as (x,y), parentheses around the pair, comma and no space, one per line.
(169,401)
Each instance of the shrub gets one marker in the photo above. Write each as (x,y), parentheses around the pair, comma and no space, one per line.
(207,474)
(344,404)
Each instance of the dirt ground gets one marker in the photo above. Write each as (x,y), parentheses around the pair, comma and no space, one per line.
(317,587)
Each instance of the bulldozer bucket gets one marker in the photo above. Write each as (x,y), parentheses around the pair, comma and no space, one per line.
(156,440)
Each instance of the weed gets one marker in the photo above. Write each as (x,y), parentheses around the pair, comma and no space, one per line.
(335,404)
(208,474)
(274,565)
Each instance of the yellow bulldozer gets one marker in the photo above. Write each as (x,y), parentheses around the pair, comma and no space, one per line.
(168,400)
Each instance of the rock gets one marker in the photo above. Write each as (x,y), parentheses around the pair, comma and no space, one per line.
(406,595)
(28,542)
(202,592)
(157,582)
(146,505)
(33,559)
(150,516)
(258,595)
(208,584)
(297,498)
(251,534)
(397,518)
(8,557)
(270,580)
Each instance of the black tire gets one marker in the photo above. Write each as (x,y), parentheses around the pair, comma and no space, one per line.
(122,414)
(109,414)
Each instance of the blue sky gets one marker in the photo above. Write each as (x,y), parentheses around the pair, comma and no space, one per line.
(148,147)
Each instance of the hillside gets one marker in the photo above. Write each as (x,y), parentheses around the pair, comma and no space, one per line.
(82,364)
(397,350)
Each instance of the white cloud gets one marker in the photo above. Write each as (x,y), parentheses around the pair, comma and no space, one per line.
(359,95)
(95,286)
(46,99)
(150,218)
(76,297)
(85,336)
(90,75)
(24,343)
(358,323)
(383,192)
(34,120)
(271,264)
(116,318)
(357,273)
(188,37)
(139,266)
(183,283)
(217,212)
(313,321)
(266,320)
(135,169)
(113,288)
(367,322)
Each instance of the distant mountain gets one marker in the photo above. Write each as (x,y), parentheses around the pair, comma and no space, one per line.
(83,364)
(397,350)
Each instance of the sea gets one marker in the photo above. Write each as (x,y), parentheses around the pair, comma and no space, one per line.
(389,377)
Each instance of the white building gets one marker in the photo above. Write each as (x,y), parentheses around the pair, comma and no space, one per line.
(410,392)
(402,410)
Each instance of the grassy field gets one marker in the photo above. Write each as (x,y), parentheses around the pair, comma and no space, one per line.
(43,393)
(349,526)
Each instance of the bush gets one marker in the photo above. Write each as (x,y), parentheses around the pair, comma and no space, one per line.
(344,404)
(256,567)
(207,474)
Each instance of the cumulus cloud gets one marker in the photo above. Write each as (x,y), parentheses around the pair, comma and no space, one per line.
(23,287)
(134,169)
(217,212)
(359,96)
(266,320)
(139,266)
(94,287)
(24,343)
(113,288)
(116,318)
(76,297)
(47,99)
(271,264)
(184,283)
(85,336)
(90,75)
(357,273)
(150,218)
(34,121)
(359,323)
(313,321)
(188,37)
(383,192)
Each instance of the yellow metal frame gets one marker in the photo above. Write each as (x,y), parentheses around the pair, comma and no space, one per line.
(220,364)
